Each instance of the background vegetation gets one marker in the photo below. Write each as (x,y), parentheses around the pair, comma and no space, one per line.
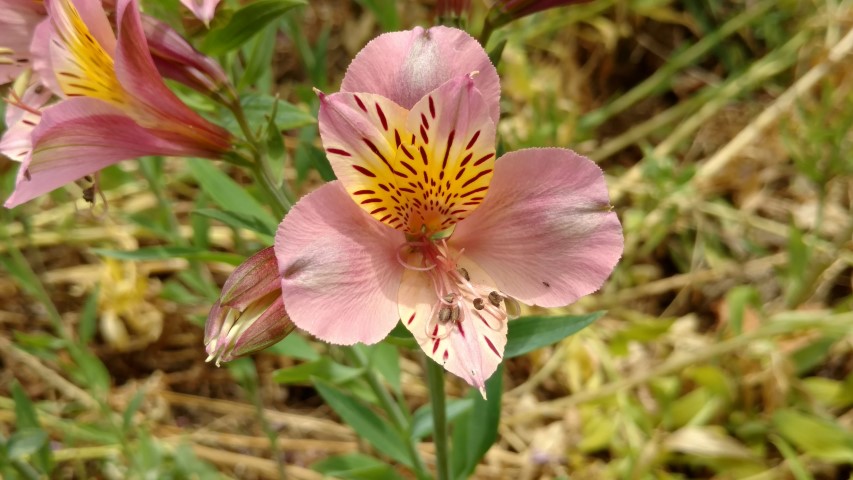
(726,350)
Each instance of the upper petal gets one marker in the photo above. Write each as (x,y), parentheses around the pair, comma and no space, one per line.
(546,232)
(339,268)
(424,169)
(405,66)
(78,137)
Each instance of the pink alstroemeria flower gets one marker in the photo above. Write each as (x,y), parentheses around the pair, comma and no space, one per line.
(117,108)
(424,225)
(18,19)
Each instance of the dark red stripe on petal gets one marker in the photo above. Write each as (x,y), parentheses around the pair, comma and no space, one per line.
(447,151)
(407,190)
(373,149)
(409,167)
(338,151)
(478,162)
(466,159)
(424,158)
(363,192)
(472,192)
(383,187)
(411,157)
(424,135)
(435,345)
(473,139)
(360,103)
(364,171)
(476,177)
(431,107)
(370,200)
(382,117)
(397,140)
(411,319)
(380,209)
(492,346)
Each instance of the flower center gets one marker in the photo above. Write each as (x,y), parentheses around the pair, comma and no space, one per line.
(460,296)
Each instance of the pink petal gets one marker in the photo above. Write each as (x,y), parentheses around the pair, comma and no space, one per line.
(78,137)
(20,122)
(339,268)
(41,56)
(202,9)
(471,349)
(360,133)
(159,107)
(175,58)
(546,232)
(405,66)
(17,23)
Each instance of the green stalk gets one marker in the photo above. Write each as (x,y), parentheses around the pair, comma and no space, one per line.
(394,411)
(435,383)
(261,169)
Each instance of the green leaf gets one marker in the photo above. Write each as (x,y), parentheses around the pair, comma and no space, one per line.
(246,23)
(295,346)
(89,317)
(259,108)
(355,466)
(815,436)
(422,425)
(26,418)
(385,11)
(226,193)
(237,220)
(25,442)
(324,368)
(475,432)
(89,370)
(260,56)
(385,358)
(529,333)
(365,422)
(162,253)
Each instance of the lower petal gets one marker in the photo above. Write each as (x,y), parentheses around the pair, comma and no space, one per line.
(470,346)
(546,232)
(339,268)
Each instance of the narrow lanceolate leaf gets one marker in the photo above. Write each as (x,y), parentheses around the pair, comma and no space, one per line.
(367,424)
(246,23)
(529,333)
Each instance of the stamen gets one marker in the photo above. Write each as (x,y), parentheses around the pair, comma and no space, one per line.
(464,273)
(479,304)
(495,298)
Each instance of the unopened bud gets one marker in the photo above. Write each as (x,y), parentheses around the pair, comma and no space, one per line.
(249,315)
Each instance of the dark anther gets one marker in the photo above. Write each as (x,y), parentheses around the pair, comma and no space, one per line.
(495,298)
(449,298)
(479,304)
(444,314)
(464,274)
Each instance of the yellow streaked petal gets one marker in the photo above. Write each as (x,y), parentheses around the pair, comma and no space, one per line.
(82,65)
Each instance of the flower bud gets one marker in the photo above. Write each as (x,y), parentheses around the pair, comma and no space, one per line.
(176,59)
(249,315)
(514,9)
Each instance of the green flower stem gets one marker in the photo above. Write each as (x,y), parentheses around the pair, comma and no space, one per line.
(280,195)
(435,383)
(394,411)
